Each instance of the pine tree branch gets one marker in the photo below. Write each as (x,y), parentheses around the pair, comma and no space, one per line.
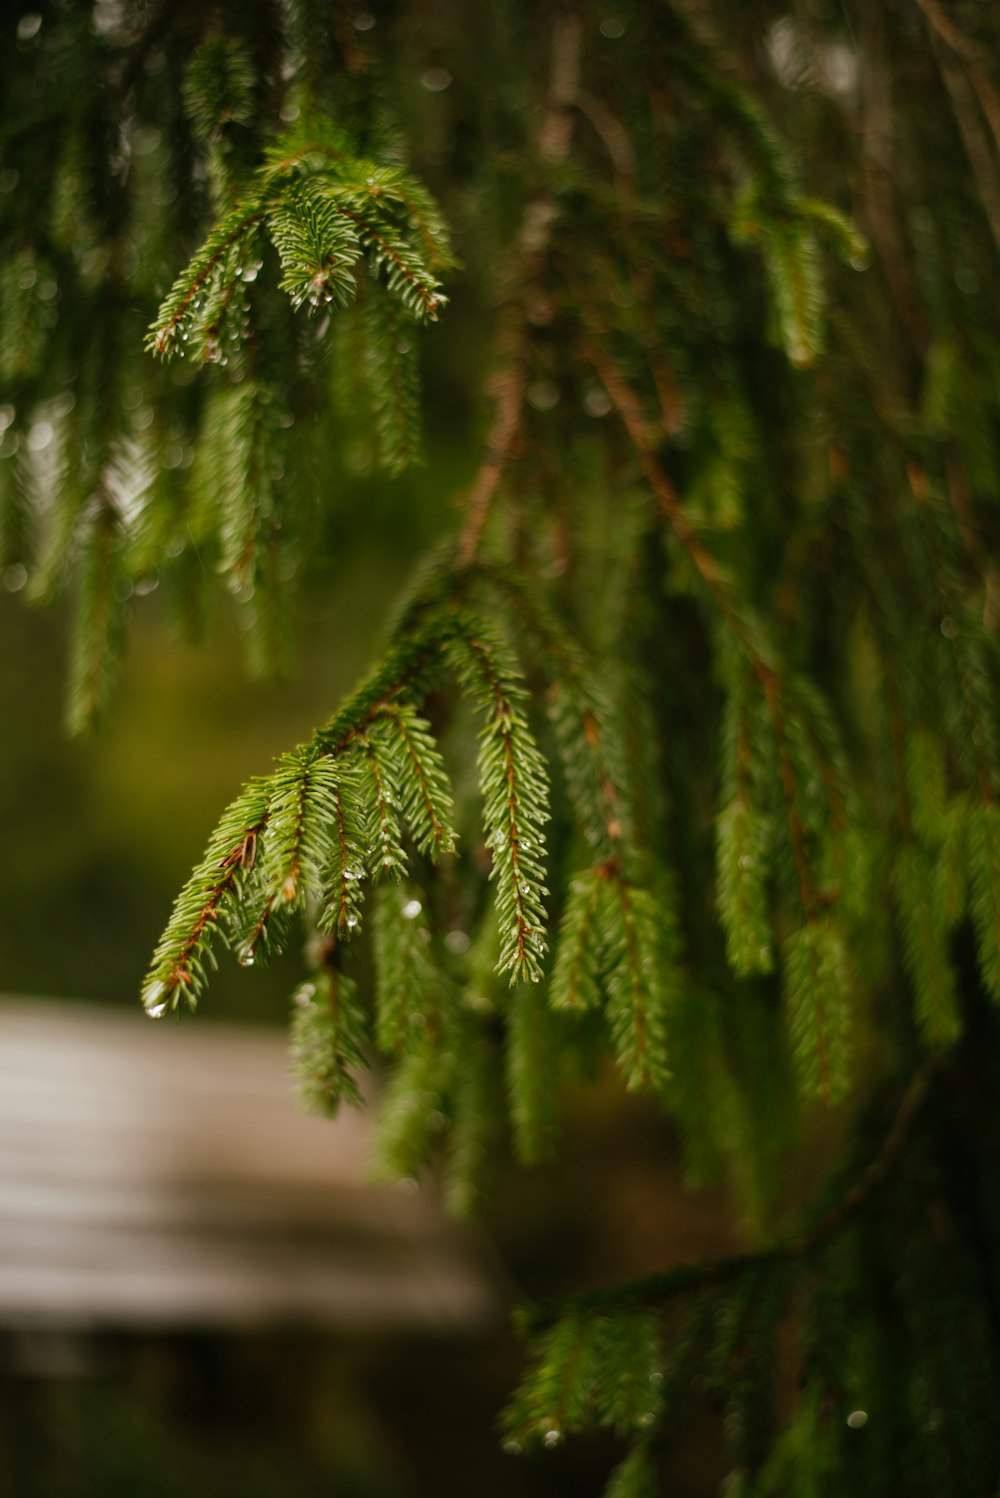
(989,97)
(879,178)
(530,250)
(689,1279)
(981,158)
(797,831)
(565,668)
(627,405)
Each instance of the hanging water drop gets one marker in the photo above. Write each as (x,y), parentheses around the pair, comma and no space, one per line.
(155,1000)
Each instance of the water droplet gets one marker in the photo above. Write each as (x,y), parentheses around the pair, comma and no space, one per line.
(612,28)
(543,395)
(597,402)
(857,1419)
(949,628)
(408,1184)
(457,942)
(656,1377)
(746,862)
(411,910)
(646,1419)
(155,1000)
(363,21)
(435,80)
(15,577)
(512,1447)
(553,1437)
(245,956)
(352,921)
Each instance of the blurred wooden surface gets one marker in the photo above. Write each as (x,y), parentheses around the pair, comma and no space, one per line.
(156,1175)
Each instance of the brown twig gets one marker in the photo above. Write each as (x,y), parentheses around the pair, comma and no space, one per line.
(986,92)
(878,179)
(977,145)
(530,249)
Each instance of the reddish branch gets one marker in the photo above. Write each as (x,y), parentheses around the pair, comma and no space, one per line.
(687,1279)
(529,253)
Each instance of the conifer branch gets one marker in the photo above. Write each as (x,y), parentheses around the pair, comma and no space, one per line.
(574,972)
(427,800)
(328,1039)
(627,405)
(690,1279)
(988,96)
(179,963)
(981,158)
(796,828)
(532,245)
(515,791)
(583,724)
(501,442)
(385,837)
(639,973)
(343,878)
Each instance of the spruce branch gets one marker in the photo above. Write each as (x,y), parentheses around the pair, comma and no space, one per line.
(531,249)
(575,970)
(325,213)
(959,43)
(386,857)
(583,720)
(627,404)
(425,790)
(327,1040)
(344,875)
(406,980)
(515,794)
(982,157)
(824,1225)
(179,968)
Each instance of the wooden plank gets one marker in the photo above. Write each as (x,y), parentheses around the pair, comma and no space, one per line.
(157,1175)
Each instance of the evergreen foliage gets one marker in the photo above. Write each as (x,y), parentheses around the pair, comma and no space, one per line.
(723,604)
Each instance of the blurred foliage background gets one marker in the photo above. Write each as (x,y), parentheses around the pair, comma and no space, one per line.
(850,490)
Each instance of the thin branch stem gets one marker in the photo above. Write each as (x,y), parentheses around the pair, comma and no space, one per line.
(986,92)
(530,250)
(685,1279)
